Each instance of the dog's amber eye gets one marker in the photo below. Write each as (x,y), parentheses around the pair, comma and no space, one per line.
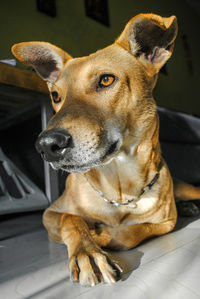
(55,97)
(106,80)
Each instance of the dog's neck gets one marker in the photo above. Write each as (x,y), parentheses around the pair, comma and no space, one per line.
(135,166)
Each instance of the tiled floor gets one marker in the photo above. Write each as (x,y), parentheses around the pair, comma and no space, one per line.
(167,267)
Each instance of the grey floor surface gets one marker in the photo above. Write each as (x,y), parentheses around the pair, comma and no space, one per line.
(166,267)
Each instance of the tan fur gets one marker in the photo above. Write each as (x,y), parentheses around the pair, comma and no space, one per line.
(80,218)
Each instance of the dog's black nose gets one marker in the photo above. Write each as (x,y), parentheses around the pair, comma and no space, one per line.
(53,144)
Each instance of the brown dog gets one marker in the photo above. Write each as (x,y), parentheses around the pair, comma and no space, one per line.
(105,132)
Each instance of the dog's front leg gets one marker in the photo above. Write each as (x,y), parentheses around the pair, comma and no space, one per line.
(88,264)
(129,236)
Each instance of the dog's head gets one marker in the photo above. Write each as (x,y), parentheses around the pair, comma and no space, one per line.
(104,99)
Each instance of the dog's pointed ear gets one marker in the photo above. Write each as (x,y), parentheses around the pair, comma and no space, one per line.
(150,38)
(47,59)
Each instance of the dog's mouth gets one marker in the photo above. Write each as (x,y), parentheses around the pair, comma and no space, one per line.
(112,149)
(79,167)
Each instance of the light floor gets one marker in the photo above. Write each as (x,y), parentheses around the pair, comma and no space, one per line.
(167,267)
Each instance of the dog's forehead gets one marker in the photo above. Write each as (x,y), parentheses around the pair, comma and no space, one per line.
(112,59)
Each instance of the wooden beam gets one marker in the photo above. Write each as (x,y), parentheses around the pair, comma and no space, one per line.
(14,76)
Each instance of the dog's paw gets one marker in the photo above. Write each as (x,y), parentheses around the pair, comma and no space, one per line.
(92,268)
(188,209)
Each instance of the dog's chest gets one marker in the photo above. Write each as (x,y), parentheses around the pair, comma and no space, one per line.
(118,182)
(97,210)
(86,202)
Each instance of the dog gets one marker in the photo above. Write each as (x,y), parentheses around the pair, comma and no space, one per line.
(105,133)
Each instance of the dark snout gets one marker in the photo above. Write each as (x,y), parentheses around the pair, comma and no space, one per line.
(53,144)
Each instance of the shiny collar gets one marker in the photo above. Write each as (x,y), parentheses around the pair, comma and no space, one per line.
(133,201)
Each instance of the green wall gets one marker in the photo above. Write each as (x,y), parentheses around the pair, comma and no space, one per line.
(80,35)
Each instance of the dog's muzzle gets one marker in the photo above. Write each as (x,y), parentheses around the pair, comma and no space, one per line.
(58,147)
(54,144)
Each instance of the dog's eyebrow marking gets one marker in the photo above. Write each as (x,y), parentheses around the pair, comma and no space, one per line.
(128,83)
